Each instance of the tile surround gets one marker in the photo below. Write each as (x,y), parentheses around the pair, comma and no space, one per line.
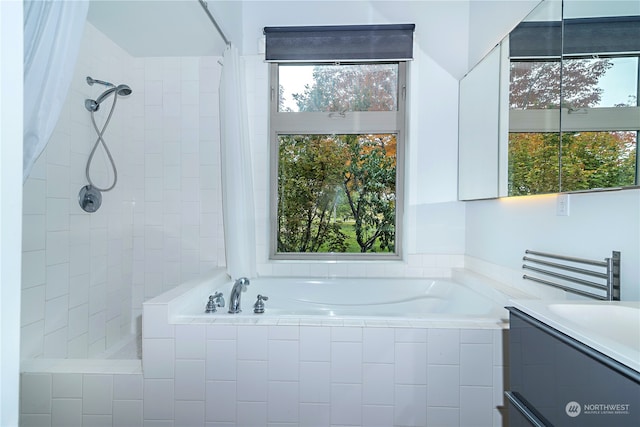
(342,374)
(166,152)
(418,385)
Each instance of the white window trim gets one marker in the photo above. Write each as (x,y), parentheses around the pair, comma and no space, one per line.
(599,119)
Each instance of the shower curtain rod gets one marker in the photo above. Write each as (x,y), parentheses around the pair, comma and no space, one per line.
(205,6)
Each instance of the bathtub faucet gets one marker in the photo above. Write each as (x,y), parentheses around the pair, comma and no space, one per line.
(234,299)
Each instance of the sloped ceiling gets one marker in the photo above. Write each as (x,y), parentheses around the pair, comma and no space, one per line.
(454,33)
(157,27)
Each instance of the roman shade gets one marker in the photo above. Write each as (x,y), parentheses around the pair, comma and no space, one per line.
(583,36)
(339,43)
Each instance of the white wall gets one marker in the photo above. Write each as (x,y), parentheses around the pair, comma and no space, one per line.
(498,231)
(11,84)
(485,31)
(86,275)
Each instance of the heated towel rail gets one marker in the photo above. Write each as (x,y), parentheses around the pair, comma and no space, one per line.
(603,276)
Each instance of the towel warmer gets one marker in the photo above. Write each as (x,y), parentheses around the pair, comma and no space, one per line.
(606,273)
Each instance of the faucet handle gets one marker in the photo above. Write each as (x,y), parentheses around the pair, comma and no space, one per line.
(258,307)
(211,305)
(219,299)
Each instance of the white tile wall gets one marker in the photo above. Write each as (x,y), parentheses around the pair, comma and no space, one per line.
(224,393)
(80,399)
(427,379)
(66,412)
(97,394)
(158,402)
(86,275)
(333,375)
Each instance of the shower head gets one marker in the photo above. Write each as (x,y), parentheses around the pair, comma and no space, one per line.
(120,90)
(123,90)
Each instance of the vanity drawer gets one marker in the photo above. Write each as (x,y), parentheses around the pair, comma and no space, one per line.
(564,382)
(520,415)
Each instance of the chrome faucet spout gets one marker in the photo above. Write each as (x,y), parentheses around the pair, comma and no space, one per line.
(239,286)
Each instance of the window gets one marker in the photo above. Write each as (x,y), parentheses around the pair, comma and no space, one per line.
(337,137)
(337,120)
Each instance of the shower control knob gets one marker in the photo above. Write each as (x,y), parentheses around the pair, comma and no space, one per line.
(89,199)
(258,307)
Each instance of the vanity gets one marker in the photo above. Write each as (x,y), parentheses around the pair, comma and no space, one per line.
(574,363)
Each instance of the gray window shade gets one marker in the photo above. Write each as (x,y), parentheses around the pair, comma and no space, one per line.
(536,40)
(584,36)
(339,43)
(619,34)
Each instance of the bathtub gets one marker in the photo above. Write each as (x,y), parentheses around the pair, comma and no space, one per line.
(356,351)
(363,300)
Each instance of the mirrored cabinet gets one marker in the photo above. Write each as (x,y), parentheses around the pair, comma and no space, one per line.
(554,107)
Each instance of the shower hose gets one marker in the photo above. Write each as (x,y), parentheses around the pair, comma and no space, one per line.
(100,140)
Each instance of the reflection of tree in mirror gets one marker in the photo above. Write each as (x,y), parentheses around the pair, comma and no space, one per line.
(589,160)
(633,100)
(536,84)
(533,163)
(598,160)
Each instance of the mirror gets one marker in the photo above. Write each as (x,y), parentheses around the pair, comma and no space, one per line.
(581,89)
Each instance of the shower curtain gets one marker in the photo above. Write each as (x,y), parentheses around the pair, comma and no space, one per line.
(237,178)
(52,36)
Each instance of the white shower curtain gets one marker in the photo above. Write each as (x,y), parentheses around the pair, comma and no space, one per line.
(52,36)
(237,178)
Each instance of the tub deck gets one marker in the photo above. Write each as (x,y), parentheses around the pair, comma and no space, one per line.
(359,302)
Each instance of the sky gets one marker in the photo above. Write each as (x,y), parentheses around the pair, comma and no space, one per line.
(619,82)
(293,79)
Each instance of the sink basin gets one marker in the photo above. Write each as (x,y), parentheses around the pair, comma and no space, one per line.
(619,323)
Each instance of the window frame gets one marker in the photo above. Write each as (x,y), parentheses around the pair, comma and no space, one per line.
(356,122)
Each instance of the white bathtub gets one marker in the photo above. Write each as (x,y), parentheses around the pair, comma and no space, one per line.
(350,299)
(334,351)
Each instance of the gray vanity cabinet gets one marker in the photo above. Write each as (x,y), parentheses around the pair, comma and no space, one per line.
(555,380)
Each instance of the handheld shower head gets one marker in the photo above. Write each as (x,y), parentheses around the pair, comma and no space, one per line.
(120,90)
(123,90)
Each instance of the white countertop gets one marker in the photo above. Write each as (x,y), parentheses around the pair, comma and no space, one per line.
(610,327)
